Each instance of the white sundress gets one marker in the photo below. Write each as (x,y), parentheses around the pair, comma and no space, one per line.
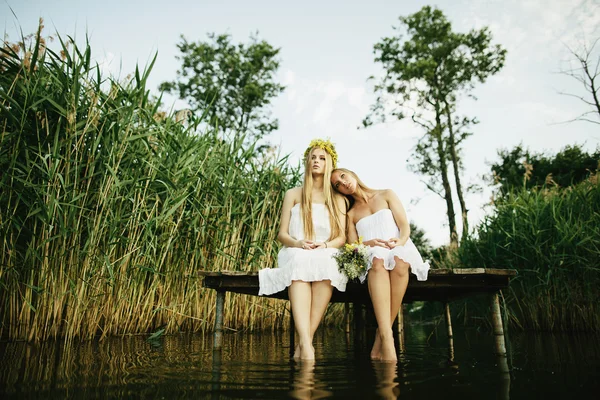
(381,225)
(297,264)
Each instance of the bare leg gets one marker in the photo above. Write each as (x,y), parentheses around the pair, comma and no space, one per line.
(321,294)
(376,350)
(300,294)
(399,281)
(379,290)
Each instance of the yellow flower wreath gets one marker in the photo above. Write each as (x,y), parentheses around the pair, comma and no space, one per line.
(325,145)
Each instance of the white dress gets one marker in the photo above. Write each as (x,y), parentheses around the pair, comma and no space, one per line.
(381,225)
(296,264)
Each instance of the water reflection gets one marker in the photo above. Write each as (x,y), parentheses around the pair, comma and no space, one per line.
(305,386)
(257,366)
(216,373)
(387,386)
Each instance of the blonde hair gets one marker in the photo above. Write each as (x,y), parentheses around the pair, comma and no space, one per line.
(362,189)
(330,203)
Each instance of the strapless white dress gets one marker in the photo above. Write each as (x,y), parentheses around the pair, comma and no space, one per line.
(296,264)
(381,225)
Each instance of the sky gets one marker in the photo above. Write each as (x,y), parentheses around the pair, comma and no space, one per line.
(326,57)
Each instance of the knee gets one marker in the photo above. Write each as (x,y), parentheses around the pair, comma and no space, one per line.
(401,267)
(377,266)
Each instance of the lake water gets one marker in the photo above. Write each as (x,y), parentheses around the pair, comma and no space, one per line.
(257,366)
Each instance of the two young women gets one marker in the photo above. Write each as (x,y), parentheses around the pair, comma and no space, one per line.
(313,227)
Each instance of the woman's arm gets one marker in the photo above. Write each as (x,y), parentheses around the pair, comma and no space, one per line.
(400,217)
(352,234)
(284,225)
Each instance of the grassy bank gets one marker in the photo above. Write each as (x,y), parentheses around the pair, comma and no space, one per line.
(108,207)
(552,238)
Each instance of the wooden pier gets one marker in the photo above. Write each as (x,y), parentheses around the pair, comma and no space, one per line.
(443,285)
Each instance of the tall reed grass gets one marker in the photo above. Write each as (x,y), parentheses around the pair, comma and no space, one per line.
(109,207)
(552,238)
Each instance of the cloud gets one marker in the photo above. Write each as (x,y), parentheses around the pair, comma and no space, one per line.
(537,28)
(327,104)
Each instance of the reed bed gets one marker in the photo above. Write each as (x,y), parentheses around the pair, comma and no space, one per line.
(552,238)
(109,207)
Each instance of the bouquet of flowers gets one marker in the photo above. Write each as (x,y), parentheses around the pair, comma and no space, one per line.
(352,259)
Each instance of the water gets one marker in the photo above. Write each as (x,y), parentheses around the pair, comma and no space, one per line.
(257,366)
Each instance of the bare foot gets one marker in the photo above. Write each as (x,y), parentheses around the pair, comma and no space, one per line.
(307,352)
(296,352)
(388,350)
(376,350)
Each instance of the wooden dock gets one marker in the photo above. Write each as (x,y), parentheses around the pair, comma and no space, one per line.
(443,285)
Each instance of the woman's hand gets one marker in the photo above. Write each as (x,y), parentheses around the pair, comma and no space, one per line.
(306,244)
(320,245)
(395,242)
(376,242)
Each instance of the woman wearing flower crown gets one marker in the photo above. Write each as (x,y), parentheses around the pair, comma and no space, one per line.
(378,217)
(311,230)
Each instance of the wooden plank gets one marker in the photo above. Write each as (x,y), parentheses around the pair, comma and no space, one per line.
(442,285)
(432,272)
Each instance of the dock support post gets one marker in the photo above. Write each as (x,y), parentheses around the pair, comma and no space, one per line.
(218,334)
(400,323)
(347,317)
(357,310)
(292,333)
(497,324)
(448,318)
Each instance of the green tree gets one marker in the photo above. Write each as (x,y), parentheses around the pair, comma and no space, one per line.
(427,67)
(233,84)
(520,168)
(417,235)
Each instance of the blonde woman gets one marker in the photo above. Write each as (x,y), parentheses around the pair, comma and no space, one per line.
(311,230)
(378,217)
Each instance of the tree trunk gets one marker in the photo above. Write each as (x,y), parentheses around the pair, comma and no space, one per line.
(445,180)
(455,166)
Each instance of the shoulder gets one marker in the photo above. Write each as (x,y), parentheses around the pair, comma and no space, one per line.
(388,194)
(342,202)
(391,198)
(294,194)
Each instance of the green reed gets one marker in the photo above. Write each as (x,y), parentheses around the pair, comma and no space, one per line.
(552,238)
(109,207)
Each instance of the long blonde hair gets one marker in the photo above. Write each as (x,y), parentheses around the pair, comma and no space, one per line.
(330,203)
(363,190)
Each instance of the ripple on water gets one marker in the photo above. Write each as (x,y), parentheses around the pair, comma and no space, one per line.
(258,366)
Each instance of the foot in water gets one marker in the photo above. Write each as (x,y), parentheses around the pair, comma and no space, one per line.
(302,352)
(376,350)
(388,349)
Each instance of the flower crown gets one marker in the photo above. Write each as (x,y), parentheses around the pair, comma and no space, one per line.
(325,145)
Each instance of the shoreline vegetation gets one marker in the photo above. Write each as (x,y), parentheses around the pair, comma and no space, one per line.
(551,236)
(109,207)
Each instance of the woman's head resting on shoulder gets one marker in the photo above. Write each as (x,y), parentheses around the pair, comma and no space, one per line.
(348,183)
(320,158)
